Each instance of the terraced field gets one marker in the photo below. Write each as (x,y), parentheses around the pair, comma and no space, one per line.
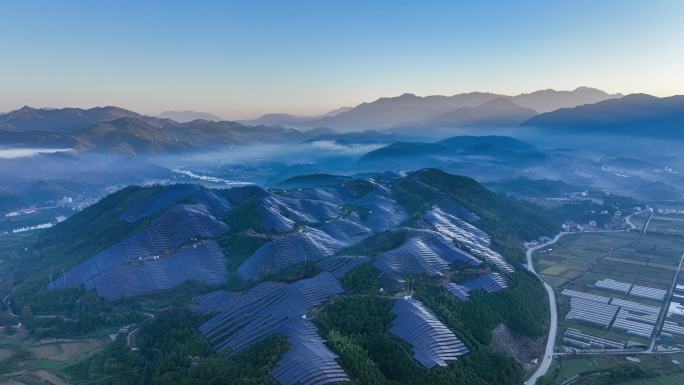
(573,254)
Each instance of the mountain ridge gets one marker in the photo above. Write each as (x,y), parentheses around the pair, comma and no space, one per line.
(407,108)
(635,114)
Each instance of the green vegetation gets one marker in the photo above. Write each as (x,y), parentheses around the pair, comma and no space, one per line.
(244,216)
(172,351)
(356,328)
(535,188)
(508,221)
(376,244)
(312,180)
(672,379)
(74,312)
(577,261)
(572,254)
(672,225)
(612,370)
(522,308)
(81,236)
(363,279)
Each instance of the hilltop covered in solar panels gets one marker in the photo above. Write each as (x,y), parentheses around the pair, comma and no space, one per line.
(270,263)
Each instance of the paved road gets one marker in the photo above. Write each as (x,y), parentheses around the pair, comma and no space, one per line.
(666,304)
(7,301)
(648,222)
(553,320)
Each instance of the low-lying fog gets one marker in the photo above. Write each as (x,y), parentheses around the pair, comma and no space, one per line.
(47,177)
(7,153)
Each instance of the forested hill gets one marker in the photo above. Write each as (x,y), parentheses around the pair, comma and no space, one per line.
(350,281)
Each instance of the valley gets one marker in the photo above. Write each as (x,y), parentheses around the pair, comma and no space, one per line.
(341,192)
(644,322)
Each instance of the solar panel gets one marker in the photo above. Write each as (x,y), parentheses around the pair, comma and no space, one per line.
(150,260)
(433,344)
(267,309)
(424,252)
(174,194)
(339,266)
(476,240)
(489,282)
(308,361)
(459,291)
(307,244)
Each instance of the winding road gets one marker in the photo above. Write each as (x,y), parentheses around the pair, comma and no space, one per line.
(553,320)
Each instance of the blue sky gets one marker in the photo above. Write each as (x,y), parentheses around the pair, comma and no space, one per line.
(242,58)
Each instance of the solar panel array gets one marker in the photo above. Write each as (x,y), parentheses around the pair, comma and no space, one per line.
(632,289)
(308,361)
(476,240)
(450,207)
(339,266)
(307,244)
(631,317)
(328,194)
(625,321)
(245,194)
(311,225)
(424,252)
(346,230)
(673,328)
(459,291)
(611,284)
(433,344)
(588,296)
(594,312)
(648,292)
(171,195)
(383,212)
(577,339)
(283,212)
(150,260)
(635,306)
(213,302)
(267,309)
(489,282)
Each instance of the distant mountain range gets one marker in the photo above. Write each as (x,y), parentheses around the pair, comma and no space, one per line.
(636,114)
(61,120)
(120,131)
(282,119)
(188,116)
(436,110)
(459,149)
(499,112)
(115,130)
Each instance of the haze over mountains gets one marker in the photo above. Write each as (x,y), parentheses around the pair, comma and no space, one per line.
(408,108)
(637,114)
(188,116)
(115,130)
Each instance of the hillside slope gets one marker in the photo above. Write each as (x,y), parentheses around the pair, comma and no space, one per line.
(636,115)
(305,265)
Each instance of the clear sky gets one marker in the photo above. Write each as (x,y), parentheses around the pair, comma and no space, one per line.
(239,59)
